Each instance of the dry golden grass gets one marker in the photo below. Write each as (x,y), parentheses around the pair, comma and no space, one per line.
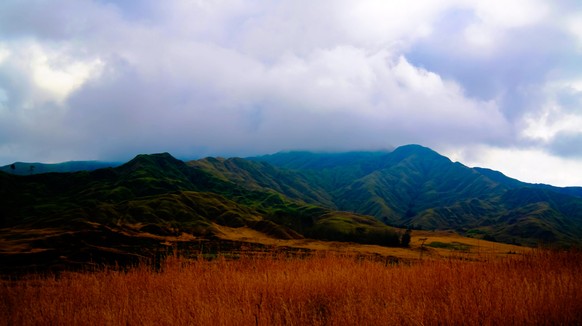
(540,287)
(478,249)
(20,241)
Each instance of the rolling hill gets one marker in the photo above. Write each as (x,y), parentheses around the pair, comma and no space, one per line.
(132,209)
(119,212)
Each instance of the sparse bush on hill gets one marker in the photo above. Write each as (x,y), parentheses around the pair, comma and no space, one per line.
(405,239)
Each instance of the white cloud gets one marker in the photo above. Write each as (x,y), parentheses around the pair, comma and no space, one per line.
(382,23)
(495,18)
(420,80)
(59,74)
(241,77)
(577,85)
(482,36)
(573,24)
(550,122)
(4,53)
(525,164)
(511,14)
(557,122)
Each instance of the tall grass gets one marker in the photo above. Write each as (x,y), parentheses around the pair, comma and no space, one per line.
(539,288)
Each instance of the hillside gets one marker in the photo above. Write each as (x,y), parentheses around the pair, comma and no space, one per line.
(130,211)
(134,210)
(415,186)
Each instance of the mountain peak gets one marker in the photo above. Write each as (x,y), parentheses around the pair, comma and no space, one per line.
(153,163)
(418,152)
(414,149)
(156,157)
(164,155)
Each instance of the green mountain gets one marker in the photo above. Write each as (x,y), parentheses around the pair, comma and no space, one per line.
(99,212)
(262,176)
(513,183)
(131,209)
(415,186)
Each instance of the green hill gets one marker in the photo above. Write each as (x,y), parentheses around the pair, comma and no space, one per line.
(105,210)
(128,210)
(415,186)
(266,177)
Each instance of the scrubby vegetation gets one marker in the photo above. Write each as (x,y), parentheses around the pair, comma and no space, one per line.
(541,288)
(101,212)
(131,212)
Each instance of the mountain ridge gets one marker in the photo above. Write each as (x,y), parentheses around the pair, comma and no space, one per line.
(414,185)
(91,212)
(324,195)
(27,168)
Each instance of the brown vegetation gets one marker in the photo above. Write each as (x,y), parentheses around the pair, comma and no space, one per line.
(541,287)
(473,248)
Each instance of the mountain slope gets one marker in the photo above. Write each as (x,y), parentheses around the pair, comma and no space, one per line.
(412,180)
(416,186)
(262,176)
(289,195)
(513,183)
(113,209)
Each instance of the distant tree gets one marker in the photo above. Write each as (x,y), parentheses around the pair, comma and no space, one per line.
(31,169)
(405,239)
(13,167)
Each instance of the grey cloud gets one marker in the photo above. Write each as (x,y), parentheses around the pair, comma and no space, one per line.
(520,63)
(245,78)
(267,109)
(570,100)
(55,20)
(567,145)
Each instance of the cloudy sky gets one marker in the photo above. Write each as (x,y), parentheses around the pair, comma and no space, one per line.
(488,83)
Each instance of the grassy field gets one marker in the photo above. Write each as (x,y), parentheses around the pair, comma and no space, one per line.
(538,287)
(470,248)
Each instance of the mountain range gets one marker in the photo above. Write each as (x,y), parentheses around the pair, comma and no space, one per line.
(23,168)
(365,197)
(415,186)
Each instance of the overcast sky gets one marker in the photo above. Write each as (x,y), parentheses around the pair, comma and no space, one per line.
(488,83)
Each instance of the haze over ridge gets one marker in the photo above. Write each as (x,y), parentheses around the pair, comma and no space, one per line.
(492,84)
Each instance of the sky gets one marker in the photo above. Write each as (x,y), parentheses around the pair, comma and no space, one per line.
(496,84)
